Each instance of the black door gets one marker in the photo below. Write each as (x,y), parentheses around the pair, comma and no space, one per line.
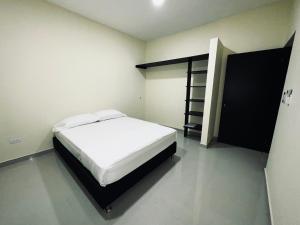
(252,93)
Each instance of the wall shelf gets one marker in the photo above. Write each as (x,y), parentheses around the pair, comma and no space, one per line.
(195,113)
(198,86)
(196,100)
(193,126)
(174,61)
(200,72)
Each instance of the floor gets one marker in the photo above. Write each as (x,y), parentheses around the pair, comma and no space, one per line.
(223,185)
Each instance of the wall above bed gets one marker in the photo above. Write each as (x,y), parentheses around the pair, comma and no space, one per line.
(55,64)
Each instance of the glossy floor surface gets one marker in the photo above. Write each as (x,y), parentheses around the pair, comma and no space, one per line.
(223,185)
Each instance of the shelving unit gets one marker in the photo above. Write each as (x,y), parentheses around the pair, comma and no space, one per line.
(187,124)
(188,113)
(201,114)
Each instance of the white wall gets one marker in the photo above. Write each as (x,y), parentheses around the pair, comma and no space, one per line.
(262,28)
(54,64)
(167,92)
(258,29)
(212,90)
(284,160)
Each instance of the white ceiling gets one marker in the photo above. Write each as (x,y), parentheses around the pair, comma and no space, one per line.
(141,19)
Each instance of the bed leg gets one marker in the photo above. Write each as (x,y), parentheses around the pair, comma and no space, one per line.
(108,209)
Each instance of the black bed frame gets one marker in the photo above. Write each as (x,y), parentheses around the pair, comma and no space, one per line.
(106,195)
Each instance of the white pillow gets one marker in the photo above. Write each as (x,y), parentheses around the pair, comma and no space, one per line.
(75,121)
(108,114)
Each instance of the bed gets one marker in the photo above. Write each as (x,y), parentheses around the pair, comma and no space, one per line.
(110,155)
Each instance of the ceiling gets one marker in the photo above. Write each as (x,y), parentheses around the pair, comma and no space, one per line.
(141,19)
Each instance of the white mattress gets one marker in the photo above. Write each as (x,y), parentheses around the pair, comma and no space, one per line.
(113,148)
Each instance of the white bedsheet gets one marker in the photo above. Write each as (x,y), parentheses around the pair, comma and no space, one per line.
(113,148)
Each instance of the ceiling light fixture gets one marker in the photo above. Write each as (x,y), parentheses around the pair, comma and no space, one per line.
(158,2)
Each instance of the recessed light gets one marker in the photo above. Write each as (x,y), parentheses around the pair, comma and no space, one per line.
(158,2)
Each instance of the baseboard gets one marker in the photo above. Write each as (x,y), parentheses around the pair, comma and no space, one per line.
(269,197)
(26,157)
